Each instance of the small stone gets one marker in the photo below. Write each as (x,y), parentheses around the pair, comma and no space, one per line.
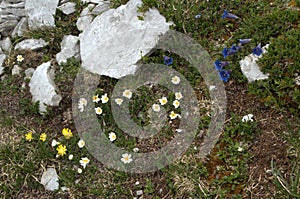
(31,44)
(50,179)
(85,18)
(6,45)
(28,73)
(67,8)
(16,70)
(2,58)
(20,28)
(69,48)
(139,192)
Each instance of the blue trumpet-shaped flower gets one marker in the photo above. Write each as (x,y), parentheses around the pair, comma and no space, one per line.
(224,75)
(198,16)
(244,41)
(234,49)
(168,60)
(257,50)
(229,15)
(220,64)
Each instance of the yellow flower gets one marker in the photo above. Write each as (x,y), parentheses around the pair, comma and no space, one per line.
(67,133)
(61,150)
(28,136)
(43,137)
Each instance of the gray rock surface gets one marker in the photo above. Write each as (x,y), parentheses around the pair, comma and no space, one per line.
(31,44)
(2,58)
(93,1)
(67,8)
(28,73)
(42,87)
(40,13)
(20,28)
(50,179)
(11,12)
(100,8)
(85,18)
(6,45)
(16,70)
(69,48)
(113,42)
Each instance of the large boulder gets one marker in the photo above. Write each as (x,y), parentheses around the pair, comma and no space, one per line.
(115,40)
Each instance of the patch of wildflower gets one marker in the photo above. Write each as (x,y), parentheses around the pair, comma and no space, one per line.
(81,104)
(228,15)
(70,157)
(54,143)
(175,80)
(20,58)
(176,103)
(81,143)
(43,137)
(98,110)
(173,115)
(156,107)
(67,133)
(257,50)
(112,136)
(126,158)
(178,96)
(28,136)
(61,150)
(163,101)
(119,101)
(127,94)
(168,60)
(104,98)
(96,98)
(247,118)
(84,161)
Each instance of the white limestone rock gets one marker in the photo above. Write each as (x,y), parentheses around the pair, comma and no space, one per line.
(6,45)
(20,28)
(113,42)
(16,70)
(250,68)
(67,8)
(93,1)
(40,13)
(100,8)
(69,48)
(31,44)
(42,87)
(50,179)
(28,73)
(85,18)
(2,58)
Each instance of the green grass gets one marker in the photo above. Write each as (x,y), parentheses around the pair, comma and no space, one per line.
(224,174)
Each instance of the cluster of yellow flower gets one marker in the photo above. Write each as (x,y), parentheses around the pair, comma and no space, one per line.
(61,148)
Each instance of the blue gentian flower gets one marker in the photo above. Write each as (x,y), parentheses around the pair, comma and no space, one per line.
(220,64)
(229,15)
(224,75)
(234,49)
(257,50)
(198,16)
(225,52)
(244,41)
(168,60)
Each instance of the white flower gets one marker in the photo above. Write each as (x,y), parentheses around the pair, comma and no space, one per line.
(104,98)
(96,98)
(136,150)
(178,95)
(20,58)
(81,104)
(176,103)
(137,183)
(247,118)
(98,110)
(71,157)
(54,143)
(156,107)
(119,101)
(126,158)
(79,170)
(163,101)
(112,136)
(81,143)
(240,149)
(84,161)
(127,94)
(173,115)
(175,80)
